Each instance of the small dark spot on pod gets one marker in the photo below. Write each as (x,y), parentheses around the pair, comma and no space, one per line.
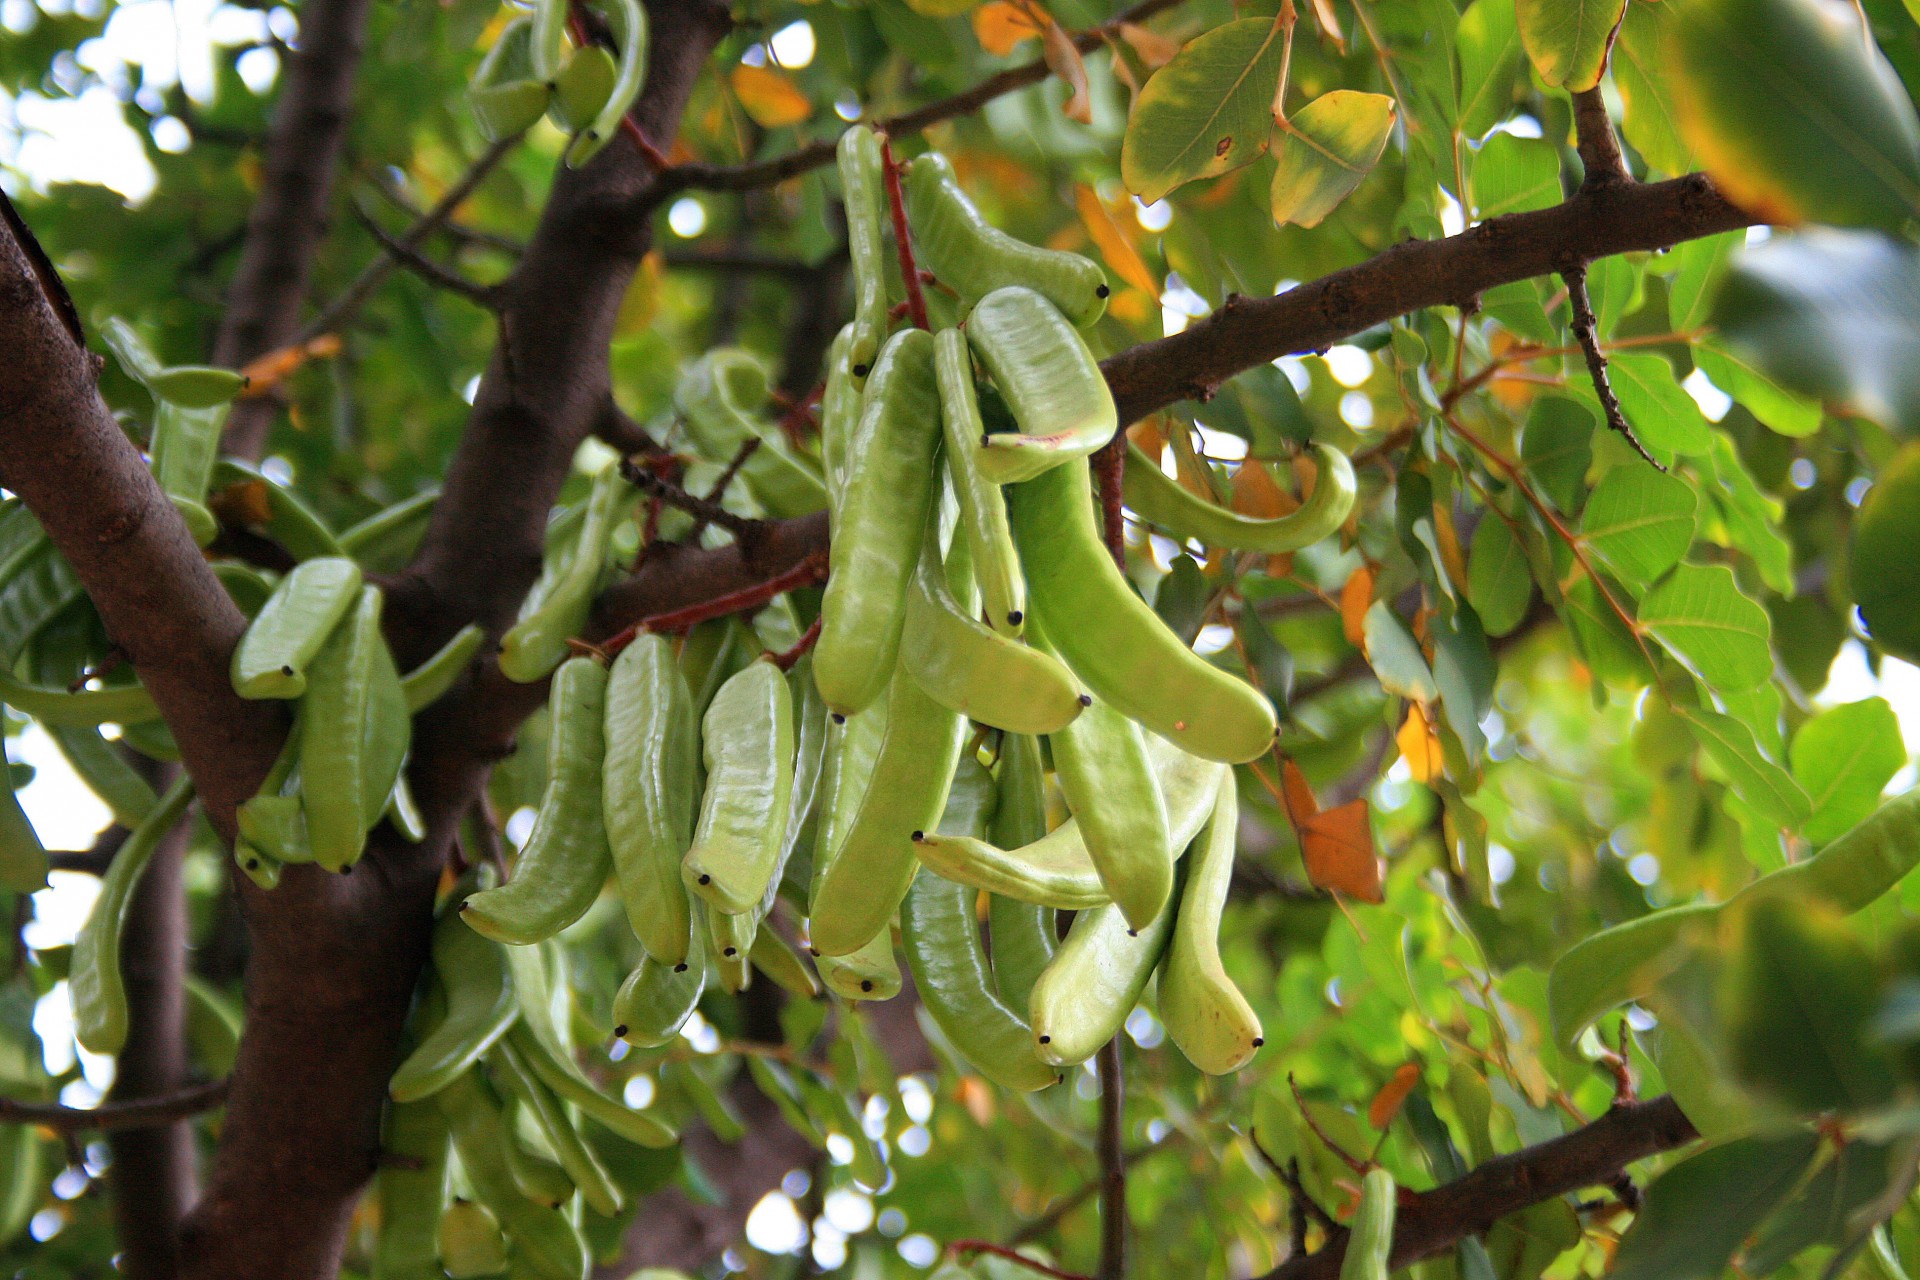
(838,718)
(860,370)
(866,984)
(731,952)
(1014,616)
(706,879)
(1086,699)
(1133,933)
(984,438)
(285,670)
(1046,1039)
(814,952)
(1258,1041)
(681,967)
(918,836)
(1102,292)
(620,1032)
(463,906)
(253,864)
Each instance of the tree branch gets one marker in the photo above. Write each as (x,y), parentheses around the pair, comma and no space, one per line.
(1599,148)
(437,274)
(111,1117)
(1430,1222)
(304,143)
(1111,1066)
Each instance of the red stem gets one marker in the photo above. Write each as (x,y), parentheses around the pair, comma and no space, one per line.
(1109,464)
(959,1247)
(799,417)
(809,571)
(909,273)
(785,660)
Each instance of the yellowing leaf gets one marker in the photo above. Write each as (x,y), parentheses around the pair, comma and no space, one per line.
(941,8)
(1000,27)
(1063,59)
(1115,247)
(1356,597)
(1205,112)
(1386,1103)
(642,301)
(1255,494)
(1568,39)
(770,96)
(1154,49)
(1324,150)
(1419,745)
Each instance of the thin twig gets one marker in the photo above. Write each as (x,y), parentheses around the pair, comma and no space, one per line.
(615,428)
(1346,1157)
(960,1247)
(142,1113)
(705,510)
(902,240)
(458,230)
(747,449)
(1305,1206)
(375,273)
(765,173)
(1584,328)
(746,261)
(787,657)
(437,274)
(1110,1066)
(809,571)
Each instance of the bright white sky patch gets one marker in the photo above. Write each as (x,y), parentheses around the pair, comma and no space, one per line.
(792,45)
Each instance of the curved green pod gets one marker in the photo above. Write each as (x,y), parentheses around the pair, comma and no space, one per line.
(410,1192)
(99,992)
(883,516)
(1086,994)
(747,741)
(1021,936)
(870,872)
(469,1240)
(106,773)
(550,1118)
(852,746)
(481,1006)
(185,442)
(537,643)
(1101,762)
(354,732)
(290,521)
(391,532)
(1203,1010)
(427,683)
(506,96)
(966,252)
(1050,380)
(583,87)
(1370,1237)
(647,789)
(122,704)
(565,861)
(547,39)
(771,955)
(983,509)
(306,605)
(863,193)
(543,1239)
(869,972)
(974,670)
(537,1175)
(1118,645)
(731,936)
(197,386)
(839,417)
(276,825)
(629,22)
(1159,499)
(657,999)
(1056,870)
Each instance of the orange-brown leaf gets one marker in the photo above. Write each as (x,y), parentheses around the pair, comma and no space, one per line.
(1419,744)
(1255,493)
(770,96)
(1337,846)
(1449,539)
(1386,1103)
(1356,597)
(1154,49)
(1299,798)
(1063,58)
(1000,27)
(1150,434)
(1111,238)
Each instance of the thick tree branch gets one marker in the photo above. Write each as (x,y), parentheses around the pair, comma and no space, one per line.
(1111,1066)
(304,142)
(1430,1222)
(1595,223)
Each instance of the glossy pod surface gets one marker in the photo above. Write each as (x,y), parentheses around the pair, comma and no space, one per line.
(409,1192)
(538,642)
(480,1007)
(565,861)
(966,252)
(748,740)
(1086,994)
(876,542)
(354,730)
(862,189)
(1118,645)
(657,999)
(1203,1010)
(1046,373)
(1370,1238)
(647,789)
(983,508)
(546,1243)
(1021,936)
(1159,499)
(271,658)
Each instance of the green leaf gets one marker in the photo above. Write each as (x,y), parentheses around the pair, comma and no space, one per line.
(1182,599)
(1799,992)
(1498,581)
(1464,670)
(1514,174)
(1752,518)
(1767,400)
(1697,1212)
(1822,1211)
(1567,39)
(1701,617)
(1769,790)
(1844,757)
(1651,119)
(1557,448)
(1883,570)
(1206,112)
(1794,113)
(1831,315)
(1489,43)
(1603,638)
(1639,521)
(1701,264)
(1323,151)
(1658,409)
(1609,968)
(1395,656)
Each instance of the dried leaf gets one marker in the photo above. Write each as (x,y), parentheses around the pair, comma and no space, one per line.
(1386,1103)
(1154,49)
(1000,27)
(1063,57)
(770,96)
(1356,597)
(1298,796)
(1329,24)
(1337,846)
(1255,493)
(1450,553)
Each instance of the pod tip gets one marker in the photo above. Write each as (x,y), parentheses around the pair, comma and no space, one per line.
(706,879)
(866,984)
(1046,1039)
(860,370)
(620,1032)
(1086,699)
(1014,617)
(681,967)
(919,836)
(838,718)
(1258,1041)
(731,952)
(1101,291)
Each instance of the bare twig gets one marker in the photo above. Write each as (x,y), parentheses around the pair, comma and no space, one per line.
(1345,1157)
(961,1248)
(747,449)
(146,1113)
(787,657)
(615,428)
(1585,328)
(437,274)
(1111,1067)
(1304,1207)
(902,239)
(703,509)
(739,260)
(805,574)
(1109,468)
